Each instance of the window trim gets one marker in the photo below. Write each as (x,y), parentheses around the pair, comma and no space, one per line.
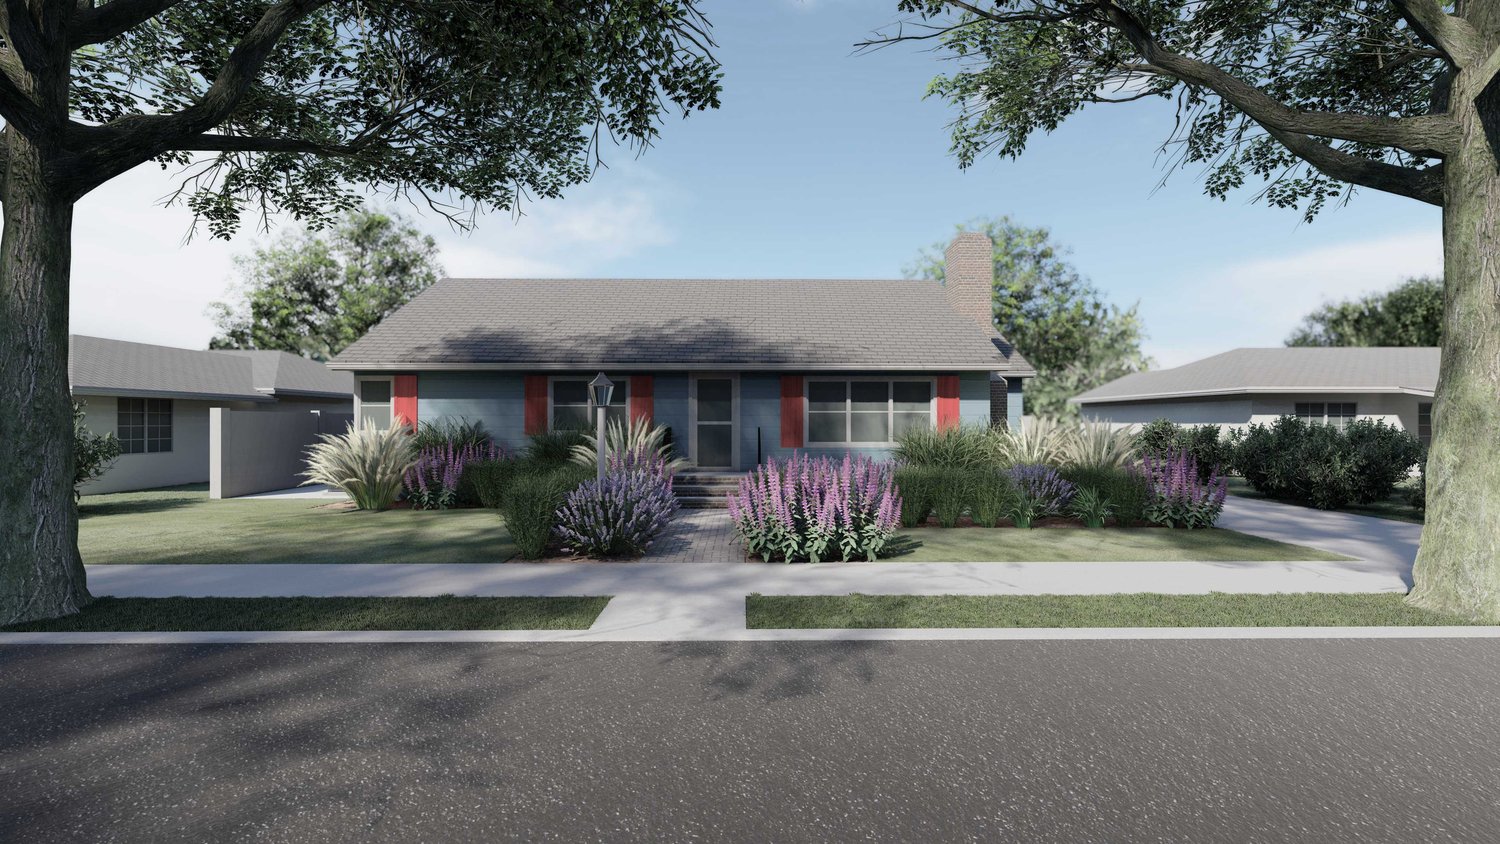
(359,402)
(622,388)
(890,405)
(1324,418)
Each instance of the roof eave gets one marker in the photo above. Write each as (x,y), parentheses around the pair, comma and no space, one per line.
(1238,391)
(668,366)
(186,395)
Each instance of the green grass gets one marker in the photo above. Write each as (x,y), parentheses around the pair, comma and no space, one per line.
(1010,545)
(1395,508)
(151,615)
(1139,610)
(181,525)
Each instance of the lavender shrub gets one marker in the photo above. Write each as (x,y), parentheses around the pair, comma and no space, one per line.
(622,515)
(815,509)
(1039,492)
(432,483)
(1180,496)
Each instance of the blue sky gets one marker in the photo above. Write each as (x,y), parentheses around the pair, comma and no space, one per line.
(822,162)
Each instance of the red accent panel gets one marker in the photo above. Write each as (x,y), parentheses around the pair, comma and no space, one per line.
(536,404)
(404,400)
(947,402)
(792,402)
(642,397)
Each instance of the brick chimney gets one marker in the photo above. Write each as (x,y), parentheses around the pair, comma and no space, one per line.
(969,277)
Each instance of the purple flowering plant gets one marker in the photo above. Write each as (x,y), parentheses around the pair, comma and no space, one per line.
(623,514)
(1039,492)
(432,483)
(1180,497)
(817,508)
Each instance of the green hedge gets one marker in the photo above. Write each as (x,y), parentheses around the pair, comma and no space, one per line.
(529,494)
(1295,460)
(986,495)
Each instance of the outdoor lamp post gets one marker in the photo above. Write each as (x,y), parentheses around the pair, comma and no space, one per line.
(600,391)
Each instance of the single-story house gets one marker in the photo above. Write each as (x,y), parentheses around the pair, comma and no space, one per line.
(738,369)
(1244,386)
(156,400)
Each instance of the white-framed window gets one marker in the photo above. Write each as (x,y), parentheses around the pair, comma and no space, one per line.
(143,426)
(1337,414)
(867,411)
(572,410)
(376,403)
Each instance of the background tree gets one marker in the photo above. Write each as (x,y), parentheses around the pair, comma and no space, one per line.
(1411,314)
(313,293)
(1054,316)
(93,454)
(1311,98)
(295,105)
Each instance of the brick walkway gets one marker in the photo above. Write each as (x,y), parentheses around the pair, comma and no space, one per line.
(697,536)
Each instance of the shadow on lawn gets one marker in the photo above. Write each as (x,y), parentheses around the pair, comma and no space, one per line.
(151,501)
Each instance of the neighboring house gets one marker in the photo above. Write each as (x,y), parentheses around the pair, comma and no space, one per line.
(739,370)
(156,399)
(1236,388)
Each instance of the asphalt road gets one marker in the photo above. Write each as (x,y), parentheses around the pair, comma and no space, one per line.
(1319,741)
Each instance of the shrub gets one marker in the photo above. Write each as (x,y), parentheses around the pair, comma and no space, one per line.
(1100,445)
(639,437)
(816,509)
(487,480)
(950,495)
(1179,498)
(93,453)
(436,481)
(367,463)
(1091,507)
(915,485)
(1210,449)
(1038,492)
(449,430)
(964,446)
(554,447)
(989,496)
(530,501)
(1295,460)
(622,514)
(1129,496)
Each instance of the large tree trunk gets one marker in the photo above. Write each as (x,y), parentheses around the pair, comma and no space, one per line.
(41,574)
(1458,565)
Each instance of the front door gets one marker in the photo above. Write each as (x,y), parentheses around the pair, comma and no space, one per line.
(714,404)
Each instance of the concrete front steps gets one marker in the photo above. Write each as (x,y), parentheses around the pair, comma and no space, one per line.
(699,489)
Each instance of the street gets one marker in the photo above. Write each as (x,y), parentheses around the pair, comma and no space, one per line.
(1241,740)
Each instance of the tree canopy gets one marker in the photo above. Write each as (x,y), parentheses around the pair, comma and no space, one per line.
(1411,314)
(1053,315)
(300,104)
(313,293)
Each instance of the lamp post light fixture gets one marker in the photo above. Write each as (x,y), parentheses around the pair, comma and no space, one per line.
(601,389)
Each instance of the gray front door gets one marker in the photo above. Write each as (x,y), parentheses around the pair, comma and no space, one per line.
(714,403)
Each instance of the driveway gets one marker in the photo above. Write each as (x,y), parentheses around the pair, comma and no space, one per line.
(1316,741)
(1387,545)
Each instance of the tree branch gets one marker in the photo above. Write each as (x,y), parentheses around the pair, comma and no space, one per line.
(210,142)
(1452,36)
(97,24)
(1424,184)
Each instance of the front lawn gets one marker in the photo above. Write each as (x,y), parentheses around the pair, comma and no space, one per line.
(157,615)
(1396,507)
(1218,609)
(1012,545)
(182,525)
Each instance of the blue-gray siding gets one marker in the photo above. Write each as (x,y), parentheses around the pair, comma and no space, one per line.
(497,400)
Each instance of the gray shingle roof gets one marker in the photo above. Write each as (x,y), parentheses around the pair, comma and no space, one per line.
(1322,370)
(100,366)
(680,323)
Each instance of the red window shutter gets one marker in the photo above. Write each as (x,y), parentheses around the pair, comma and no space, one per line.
(536,404)
(792,402)
(642,397)
(404,400)
(947,402)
